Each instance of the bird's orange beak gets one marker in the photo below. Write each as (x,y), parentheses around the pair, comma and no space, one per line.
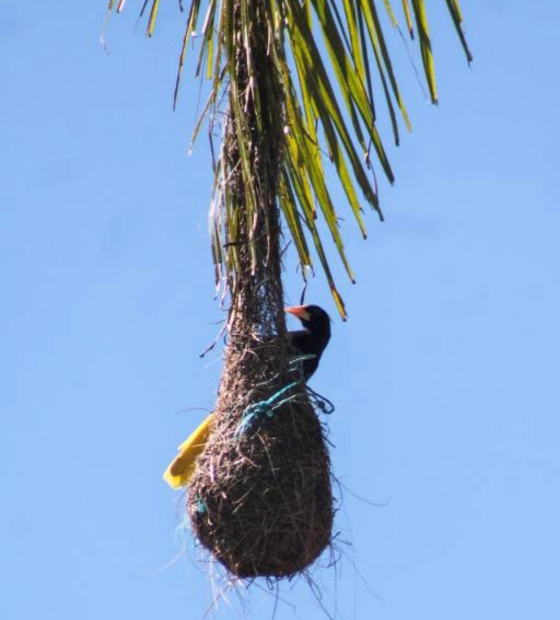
(298,311)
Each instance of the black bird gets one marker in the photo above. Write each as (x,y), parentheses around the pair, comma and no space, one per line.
(313,339)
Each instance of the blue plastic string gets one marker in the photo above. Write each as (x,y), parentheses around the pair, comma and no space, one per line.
(264,407)
(201,506)
(267,407)
(296,363)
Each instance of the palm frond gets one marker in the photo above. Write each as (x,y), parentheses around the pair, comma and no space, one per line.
(425,46)
(332,60)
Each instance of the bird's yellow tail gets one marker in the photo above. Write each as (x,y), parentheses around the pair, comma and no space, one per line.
(181,468)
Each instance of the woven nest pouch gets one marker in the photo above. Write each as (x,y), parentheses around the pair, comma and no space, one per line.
(260,499)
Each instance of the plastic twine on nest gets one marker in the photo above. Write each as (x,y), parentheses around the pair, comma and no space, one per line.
(320,402)
(268,407)
(264,407)
(201,507)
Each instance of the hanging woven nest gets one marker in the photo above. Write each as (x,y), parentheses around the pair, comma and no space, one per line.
(260,499)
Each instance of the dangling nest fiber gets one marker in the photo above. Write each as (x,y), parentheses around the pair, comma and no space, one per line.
(261,500)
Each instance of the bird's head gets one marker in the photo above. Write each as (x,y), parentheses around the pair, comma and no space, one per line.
(313,318)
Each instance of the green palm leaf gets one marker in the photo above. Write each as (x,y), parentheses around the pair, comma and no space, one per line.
(325,55)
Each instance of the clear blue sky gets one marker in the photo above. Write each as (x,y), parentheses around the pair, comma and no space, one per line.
(447,395)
